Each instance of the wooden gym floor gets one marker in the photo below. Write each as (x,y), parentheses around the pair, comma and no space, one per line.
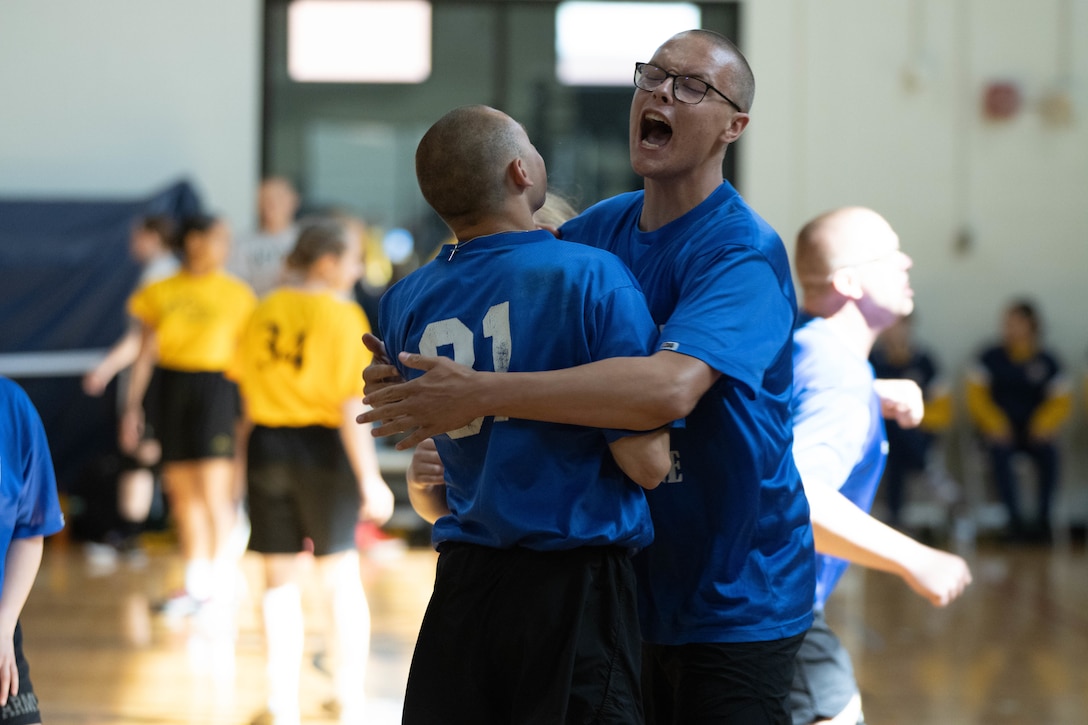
(1013,649)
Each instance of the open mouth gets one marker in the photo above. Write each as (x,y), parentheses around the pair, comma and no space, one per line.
(654,130)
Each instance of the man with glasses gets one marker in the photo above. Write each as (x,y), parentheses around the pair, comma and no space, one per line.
(725,591)
(855,283)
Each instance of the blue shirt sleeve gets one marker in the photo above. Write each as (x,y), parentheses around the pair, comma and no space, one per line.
(39,512)
(706,323)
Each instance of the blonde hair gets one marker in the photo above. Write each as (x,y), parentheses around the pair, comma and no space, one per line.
(556,210)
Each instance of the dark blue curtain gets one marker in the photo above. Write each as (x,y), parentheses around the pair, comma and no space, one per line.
(65,274)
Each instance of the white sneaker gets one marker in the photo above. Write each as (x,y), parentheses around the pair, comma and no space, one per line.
(180,605)
(101,558)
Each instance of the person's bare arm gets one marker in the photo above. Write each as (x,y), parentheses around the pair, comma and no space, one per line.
(645,458)
(132,419)
(20,569)
(426,482)
(377,497)
(843,530)
(120,356)
(633,393)
(243,428)
(901,400)
(829,435)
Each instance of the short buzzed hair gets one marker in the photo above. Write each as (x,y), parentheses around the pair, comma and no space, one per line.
(462,159)
(743,82)
(832,240)
(812,253)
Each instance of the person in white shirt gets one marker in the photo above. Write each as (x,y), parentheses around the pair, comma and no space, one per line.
(258,258)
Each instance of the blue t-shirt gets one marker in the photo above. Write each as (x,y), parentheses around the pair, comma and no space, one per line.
(732,559)
(522,302)
(838,429)
(28,486)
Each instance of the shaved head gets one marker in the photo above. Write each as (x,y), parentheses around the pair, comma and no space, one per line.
(461,162)
(849,261)
(742,83)
(837,239)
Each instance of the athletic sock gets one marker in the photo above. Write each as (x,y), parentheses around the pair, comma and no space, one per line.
(351,626)
(198,579)
(225,574)
(284,639)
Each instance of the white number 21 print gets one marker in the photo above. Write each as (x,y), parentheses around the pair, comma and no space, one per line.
(456,334)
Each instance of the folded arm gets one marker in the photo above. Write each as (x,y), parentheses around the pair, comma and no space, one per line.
(426,482)
(645,457)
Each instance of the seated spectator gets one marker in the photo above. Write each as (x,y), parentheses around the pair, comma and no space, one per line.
(1019,399)
(896,355)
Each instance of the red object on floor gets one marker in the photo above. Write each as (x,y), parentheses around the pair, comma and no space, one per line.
(367,533)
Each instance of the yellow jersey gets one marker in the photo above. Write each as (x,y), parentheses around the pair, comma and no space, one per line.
(197,318)
(302,358)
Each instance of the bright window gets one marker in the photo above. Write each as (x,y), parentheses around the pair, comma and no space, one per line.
(359,41)
(598,43)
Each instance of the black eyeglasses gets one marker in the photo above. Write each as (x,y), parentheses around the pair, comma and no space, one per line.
(684,88)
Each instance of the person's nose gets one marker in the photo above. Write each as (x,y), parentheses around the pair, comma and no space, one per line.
(666,91)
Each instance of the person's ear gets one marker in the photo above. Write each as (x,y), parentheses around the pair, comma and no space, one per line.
(736,127)
(847,282)
(519,175)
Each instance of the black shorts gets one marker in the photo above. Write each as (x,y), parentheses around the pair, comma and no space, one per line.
(197,415)
(22,709)
(514,636)
(823,680)
(300,485)
(724,683)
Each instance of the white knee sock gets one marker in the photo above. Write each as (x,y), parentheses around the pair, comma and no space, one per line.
(225,575)
(351,624)
(198,578)
(284,634)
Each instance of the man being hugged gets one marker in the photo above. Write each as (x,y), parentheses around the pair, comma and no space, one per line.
(533,616)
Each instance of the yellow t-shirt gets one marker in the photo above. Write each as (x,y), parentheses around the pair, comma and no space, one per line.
(197,318)
(302,358)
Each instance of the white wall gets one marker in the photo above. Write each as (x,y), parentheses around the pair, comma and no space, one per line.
(838,121)
(835,123)
(117,98)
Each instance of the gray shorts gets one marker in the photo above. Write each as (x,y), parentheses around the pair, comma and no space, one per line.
(823,677)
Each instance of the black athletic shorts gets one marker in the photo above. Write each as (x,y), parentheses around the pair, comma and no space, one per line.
(300,485)
(521,637)
(21,709)
(719,683)
(197,415)
(823,680)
